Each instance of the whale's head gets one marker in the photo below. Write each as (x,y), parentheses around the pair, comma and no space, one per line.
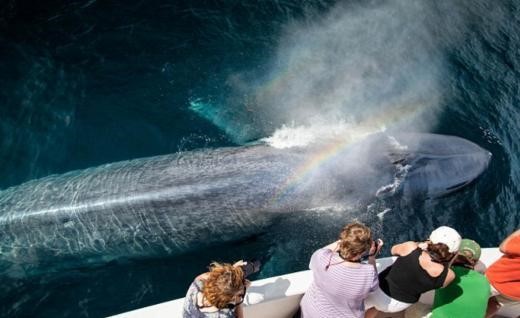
(435,165)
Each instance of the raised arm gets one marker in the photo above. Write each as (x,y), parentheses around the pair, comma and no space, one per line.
(403,249)
(374,251)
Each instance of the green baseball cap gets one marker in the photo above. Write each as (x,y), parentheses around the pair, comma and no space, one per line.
(469,249)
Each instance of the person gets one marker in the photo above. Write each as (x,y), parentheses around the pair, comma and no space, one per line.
(467,296)
(419,267)
(217,293)
(341,279)
(504,274)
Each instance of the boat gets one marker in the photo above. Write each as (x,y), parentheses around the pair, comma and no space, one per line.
(279,296)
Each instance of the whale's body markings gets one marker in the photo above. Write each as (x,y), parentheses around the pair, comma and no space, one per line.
(174,203)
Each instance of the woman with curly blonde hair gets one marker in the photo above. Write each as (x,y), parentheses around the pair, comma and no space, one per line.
(341,280)
(217,293)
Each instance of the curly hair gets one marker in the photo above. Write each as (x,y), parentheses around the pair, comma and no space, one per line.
(224,282)
(439,252)
(355,239)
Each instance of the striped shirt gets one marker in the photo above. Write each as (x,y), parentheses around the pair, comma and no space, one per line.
(338,291)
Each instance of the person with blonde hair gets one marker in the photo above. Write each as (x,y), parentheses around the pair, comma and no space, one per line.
(217,293)
(419,267)
(341,280)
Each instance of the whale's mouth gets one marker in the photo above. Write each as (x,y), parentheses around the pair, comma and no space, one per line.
(458,186)
(435,164)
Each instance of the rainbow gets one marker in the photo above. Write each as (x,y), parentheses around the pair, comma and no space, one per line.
(305,170)
(332,149)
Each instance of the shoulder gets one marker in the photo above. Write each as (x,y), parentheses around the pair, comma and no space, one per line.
(322,253)
(320,257)
(442,278)
(450,276)
(191,299)
(433,269)
(471,274)
(198,282)
(201,278)
(404,249)
(511,245)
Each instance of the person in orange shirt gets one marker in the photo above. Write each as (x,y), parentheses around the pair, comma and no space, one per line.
(504,274)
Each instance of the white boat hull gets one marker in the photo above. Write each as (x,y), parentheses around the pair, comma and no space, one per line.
(279,296)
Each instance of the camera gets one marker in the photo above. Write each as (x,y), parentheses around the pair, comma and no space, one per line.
(251,267)
(376,245)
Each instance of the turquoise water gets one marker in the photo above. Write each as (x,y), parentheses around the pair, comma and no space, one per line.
(88,82)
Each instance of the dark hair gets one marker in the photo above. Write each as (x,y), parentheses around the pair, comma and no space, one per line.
(465,259)
(439,252)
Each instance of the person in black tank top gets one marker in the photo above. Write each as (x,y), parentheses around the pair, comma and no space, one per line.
(406,280)
(419,267)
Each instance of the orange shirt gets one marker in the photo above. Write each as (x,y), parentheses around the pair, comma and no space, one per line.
(504,274)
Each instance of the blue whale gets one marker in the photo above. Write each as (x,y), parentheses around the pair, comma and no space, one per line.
(171,204)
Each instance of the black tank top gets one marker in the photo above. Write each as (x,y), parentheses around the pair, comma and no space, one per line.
(406,280)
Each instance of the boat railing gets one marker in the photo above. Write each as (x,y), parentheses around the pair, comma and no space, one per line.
(279,296)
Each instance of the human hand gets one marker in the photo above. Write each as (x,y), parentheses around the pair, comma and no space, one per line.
(376,247)
(423,245)
(239,263)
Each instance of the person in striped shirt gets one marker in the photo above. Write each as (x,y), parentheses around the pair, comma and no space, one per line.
(341,281)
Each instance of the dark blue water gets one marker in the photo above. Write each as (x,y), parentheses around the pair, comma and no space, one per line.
(89,82)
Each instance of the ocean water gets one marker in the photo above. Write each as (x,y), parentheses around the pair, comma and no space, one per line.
(90,82)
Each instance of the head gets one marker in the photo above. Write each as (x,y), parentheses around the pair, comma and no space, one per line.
(355,240)
(468,254)
(441,164)
(443,244)
(439,252)
(225,285)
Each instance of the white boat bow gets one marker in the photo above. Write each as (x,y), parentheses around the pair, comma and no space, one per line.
(279,296)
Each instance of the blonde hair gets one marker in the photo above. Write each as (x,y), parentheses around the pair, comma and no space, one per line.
(223,283)
(355,239)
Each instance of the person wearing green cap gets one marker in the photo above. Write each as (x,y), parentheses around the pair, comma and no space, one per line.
(467,296)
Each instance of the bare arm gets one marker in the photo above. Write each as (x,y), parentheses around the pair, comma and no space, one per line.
(449,278)
(374,252)
(239,311)
(403,249)
(502,246)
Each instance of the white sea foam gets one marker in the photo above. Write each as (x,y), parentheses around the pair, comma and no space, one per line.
(381,215)
(396,144)
(400,175)
(331,208)
(300,136)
